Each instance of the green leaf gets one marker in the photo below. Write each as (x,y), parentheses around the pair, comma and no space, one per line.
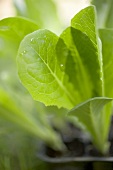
(15,28)
(105,12)
(43,12)
(85,55)
(40,71)
(45,63)
(85,21)
(86,40)
(106,36)
(90,114)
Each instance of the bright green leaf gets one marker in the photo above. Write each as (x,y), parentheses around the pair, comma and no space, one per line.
(85,54)
(90,114)
(86,41)
(41,72)
(85,21)
(73,66)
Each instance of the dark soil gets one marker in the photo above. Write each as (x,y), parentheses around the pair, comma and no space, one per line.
(79,145)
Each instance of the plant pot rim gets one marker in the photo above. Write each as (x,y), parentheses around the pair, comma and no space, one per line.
(46,158)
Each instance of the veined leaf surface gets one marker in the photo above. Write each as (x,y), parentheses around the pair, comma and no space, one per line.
(86,39)
(85,54)
(41,73)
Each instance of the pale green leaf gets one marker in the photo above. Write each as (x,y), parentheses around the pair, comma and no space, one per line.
(90,114)
(104,12)
(41,73)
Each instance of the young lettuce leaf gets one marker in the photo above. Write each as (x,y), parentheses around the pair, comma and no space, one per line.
(82,42)
(44,63)
(86,40)
(90,114)
(40,71)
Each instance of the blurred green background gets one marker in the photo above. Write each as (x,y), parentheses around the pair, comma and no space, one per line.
(18,144)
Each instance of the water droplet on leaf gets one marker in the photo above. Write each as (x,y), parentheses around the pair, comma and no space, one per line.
(24,52)
(62,67)
(32,40)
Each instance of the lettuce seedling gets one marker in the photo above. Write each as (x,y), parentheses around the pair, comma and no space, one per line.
(72,71)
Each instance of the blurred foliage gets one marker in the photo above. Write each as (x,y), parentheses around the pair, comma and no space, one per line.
(43,12)
(18,147)
(104,12)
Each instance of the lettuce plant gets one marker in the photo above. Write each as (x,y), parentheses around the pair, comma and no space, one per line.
(74,71)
